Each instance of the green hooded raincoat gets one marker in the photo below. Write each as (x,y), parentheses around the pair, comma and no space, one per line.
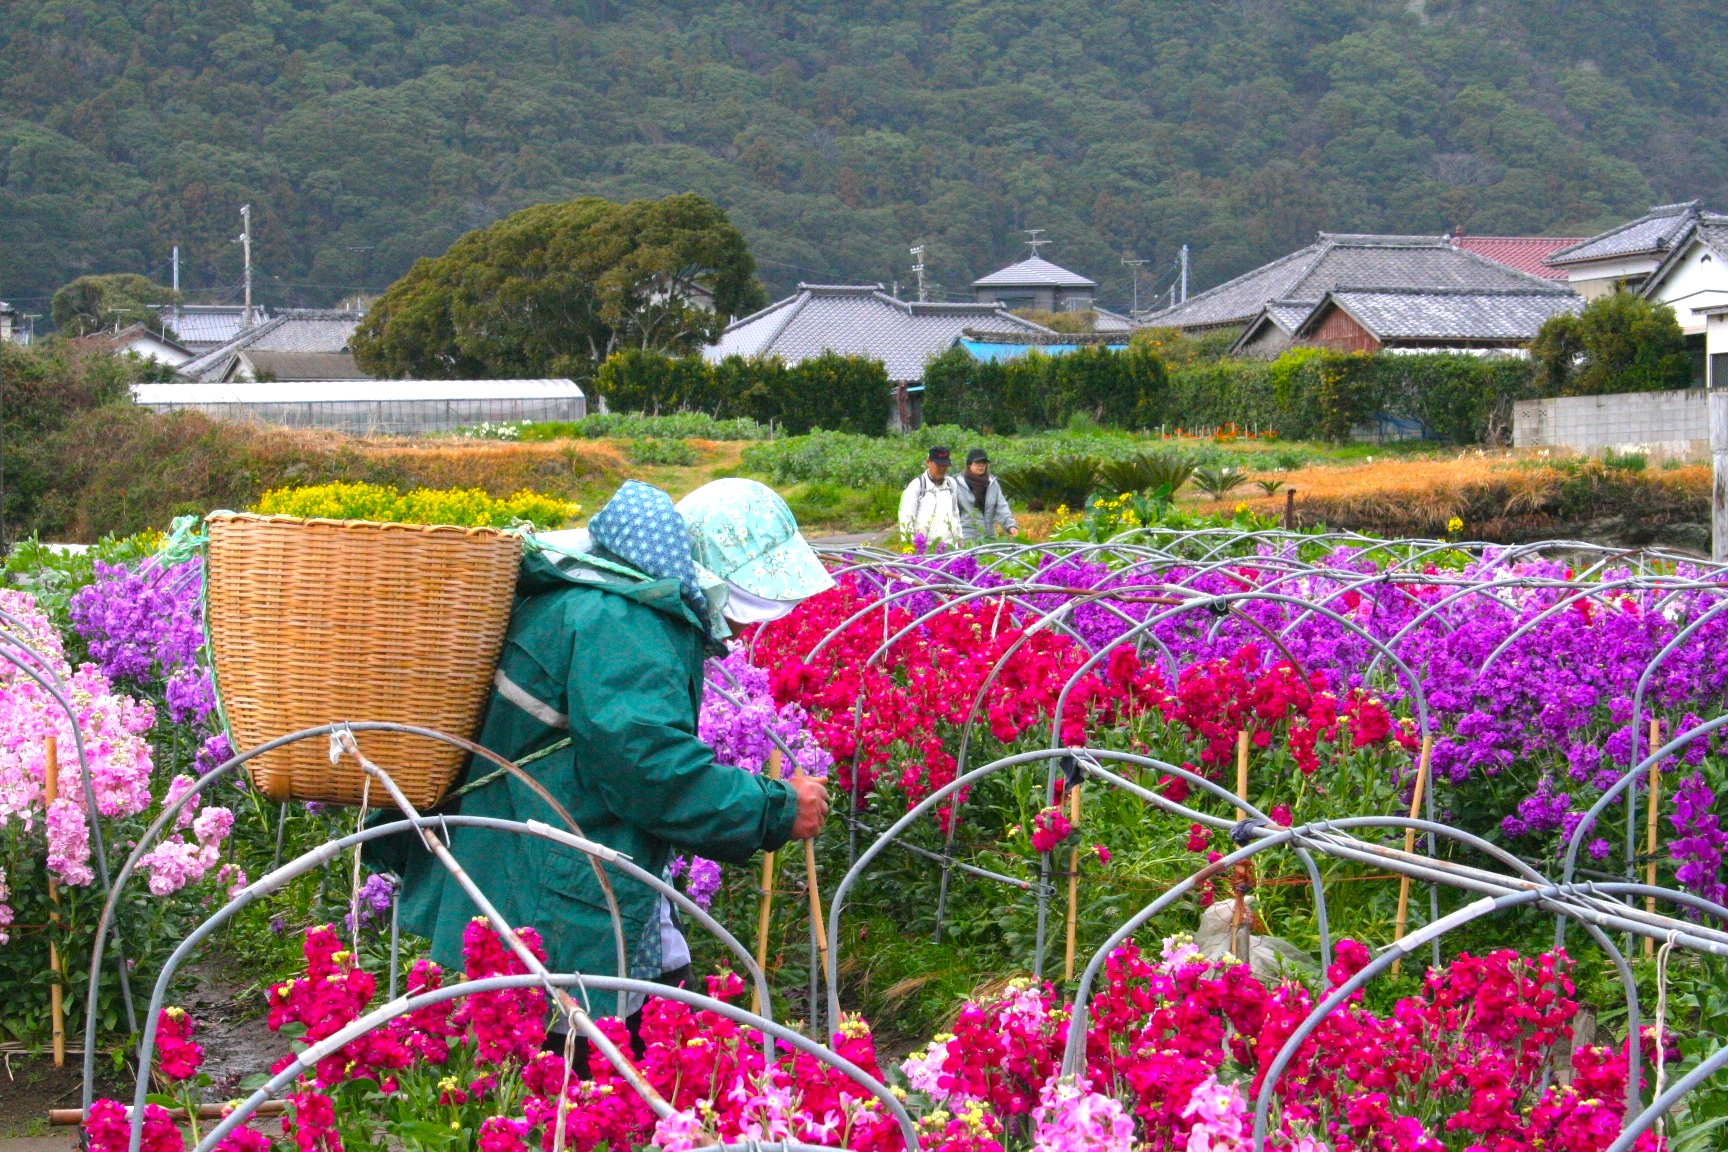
(614,665)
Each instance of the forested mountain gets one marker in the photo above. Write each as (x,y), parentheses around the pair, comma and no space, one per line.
(367,133)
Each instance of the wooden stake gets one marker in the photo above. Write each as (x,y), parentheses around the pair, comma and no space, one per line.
(816,924)
(1239,914)
(767,907)
(1410,845)
(57,1007)
(1650,827)
(1073,881)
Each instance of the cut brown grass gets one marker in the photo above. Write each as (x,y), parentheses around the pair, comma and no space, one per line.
(1497,495)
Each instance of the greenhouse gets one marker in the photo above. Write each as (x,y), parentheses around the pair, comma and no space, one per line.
(373,407)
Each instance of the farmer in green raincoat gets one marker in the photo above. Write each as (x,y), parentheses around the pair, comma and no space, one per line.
(597,693)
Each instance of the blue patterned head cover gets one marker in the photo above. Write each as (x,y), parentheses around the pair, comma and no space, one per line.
(640,526)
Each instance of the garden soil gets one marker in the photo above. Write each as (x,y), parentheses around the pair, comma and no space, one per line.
(230,1014)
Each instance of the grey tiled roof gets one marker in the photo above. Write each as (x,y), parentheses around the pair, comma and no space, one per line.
(1370,261)
(1288,314)
(1654,233)
(203,327)
(1509,316)
(860,321)
(291,330)
(1035,272)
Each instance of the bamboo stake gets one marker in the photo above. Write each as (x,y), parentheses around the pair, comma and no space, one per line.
(56,993)
(1239,914)
(1650,827)
(816,924)
(1410,845)
(767,907)
(1073,881)
(61,1117)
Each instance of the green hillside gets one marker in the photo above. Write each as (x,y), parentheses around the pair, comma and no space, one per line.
(836,132)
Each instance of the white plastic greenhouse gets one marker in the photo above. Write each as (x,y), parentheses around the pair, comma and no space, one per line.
(378,407)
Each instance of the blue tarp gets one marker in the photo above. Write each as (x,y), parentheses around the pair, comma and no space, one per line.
(994,352)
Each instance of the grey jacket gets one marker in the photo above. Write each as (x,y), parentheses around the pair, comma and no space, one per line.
(992,520)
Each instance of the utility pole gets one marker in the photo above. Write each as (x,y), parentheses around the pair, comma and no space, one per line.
(918,255)
(176,268)
(1184,273)
(1134,267)
(245,242)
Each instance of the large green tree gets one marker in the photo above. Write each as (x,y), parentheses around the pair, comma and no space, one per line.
(1617,343)
(104,303)
(555,289)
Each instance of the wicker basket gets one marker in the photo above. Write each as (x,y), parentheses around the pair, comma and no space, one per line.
(314,621)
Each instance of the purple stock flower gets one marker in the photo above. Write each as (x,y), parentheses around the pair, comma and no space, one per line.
(1701,842)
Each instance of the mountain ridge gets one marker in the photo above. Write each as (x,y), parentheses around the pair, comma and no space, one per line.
(837,133)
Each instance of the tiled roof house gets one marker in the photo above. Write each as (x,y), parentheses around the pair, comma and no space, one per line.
(295,344)
(1432,319)
(1272,301)
(861,320)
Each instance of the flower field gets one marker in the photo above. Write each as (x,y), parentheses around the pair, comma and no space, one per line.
(1077,785)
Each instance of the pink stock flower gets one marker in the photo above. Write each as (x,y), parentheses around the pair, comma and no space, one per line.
(682,1131)
(110,1131)
(311,1120)
(1071,1118)
(1219,1118)
(244,1139)
(212,826)
(501,1134)
(178,1056)
(177,788)
(69,843)
(1103,853)
(508,1026)
(1049,828)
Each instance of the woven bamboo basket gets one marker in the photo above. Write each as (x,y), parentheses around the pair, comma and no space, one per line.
(317,621)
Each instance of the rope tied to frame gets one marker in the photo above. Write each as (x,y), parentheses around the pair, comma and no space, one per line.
(1662,956)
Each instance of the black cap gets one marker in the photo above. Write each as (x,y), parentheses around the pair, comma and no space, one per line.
(940,455)
(976,455)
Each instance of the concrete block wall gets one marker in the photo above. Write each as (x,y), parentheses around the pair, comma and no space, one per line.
(1674,424)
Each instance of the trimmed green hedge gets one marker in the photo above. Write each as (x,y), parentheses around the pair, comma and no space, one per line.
(830,391)
(1307,394)
(1125,389)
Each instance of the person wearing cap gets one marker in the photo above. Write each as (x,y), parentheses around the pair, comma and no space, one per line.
(596,695)
(930,505)
(983,508)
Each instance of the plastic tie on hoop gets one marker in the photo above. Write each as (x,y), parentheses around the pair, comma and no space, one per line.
(1243,830)
(1072,770)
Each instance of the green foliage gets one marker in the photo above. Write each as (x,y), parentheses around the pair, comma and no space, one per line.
(1060,481)
(661,450)
(466,508)
(1219,482)
(834,392)
(555,289)
(1618,343)
(678,425)
(864,461)
(1123,389)
(367,136)
(1149,472)
(1308,393)
(44,391)
(52,575)
(101,303)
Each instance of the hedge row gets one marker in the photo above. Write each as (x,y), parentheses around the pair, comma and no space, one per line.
(839,393)
(1307,394)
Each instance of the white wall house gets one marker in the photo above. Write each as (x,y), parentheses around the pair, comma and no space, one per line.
(1695,276)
